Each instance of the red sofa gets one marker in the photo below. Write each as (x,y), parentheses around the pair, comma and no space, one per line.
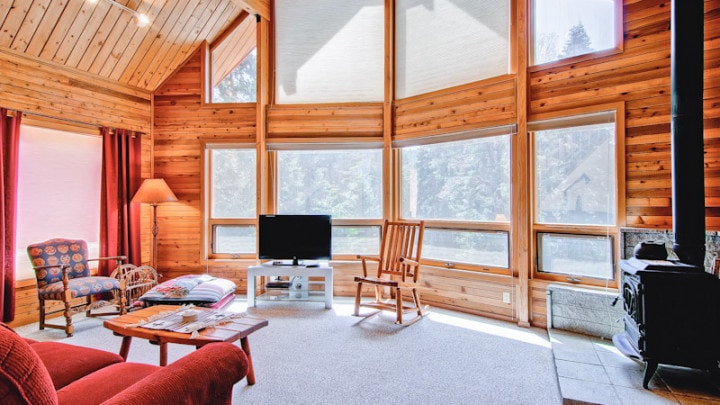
(39,373)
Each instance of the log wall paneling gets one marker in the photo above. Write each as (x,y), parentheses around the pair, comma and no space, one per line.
(182,126)
(481,104)
(640,77)
(36,87)
(361,122)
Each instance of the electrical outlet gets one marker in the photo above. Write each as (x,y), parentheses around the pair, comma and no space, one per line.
(506,297)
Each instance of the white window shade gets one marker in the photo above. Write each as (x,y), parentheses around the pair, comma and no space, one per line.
(58,190)
(444,43)
(329,51)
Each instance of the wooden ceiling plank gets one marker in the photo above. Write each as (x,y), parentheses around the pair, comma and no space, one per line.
(5,7)
(13,21)
(181,32)
(136,36)
(125,39)
(27,30)
(152,49)
(57,36)
(221,17)
(46,27)
(73,33)
(93,25)
(112,43)
(103,38)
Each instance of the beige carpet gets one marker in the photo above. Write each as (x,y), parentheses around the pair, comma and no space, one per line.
(310,355)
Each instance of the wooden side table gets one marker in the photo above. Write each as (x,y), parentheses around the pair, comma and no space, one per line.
(238,328)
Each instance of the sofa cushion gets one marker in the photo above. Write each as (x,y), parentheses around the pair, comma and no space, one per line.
(23,378)
(66,363)
(221,365)
(201,290)
(111,379)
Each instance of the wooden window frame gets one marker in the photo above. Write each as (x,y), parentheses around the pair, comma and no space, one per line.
(571,118)
(206,65)
(272,158)
(456,225)
(211,223)
(616,49)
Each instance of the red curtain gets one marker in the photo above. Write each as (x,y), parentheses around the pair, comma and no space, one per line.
(120,221)
(10,147)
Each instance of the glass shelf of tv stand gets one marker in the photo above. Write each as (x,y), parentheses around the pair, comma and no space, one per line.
(289,294)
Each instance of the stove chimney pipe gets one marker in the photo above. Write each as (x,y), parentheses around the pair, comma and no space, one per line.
(686,126)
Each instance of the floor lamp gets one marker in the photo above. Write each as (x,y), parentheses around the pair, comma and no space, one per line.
(154,192)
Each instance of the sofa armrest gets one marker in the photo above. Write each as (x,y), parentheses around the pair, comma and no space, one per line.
(205,376)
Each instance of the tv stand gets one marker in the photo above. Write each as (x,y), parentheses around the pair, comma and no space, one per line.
(320,269)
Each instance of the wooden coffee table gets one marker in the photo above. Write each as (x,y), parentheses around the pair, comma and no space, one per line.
(238,328)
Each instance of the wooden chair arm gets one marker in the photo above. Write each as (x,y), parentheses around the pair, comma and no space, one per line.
(367,258)
(63,267)
(409,262)
(116,258)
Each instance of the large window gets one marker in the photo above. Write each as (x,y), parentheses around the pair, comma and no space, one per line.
(576,195)
(346,184)
(445,43)
(231,201)
(462,189)
(233,65)
(329,51)
(58,190)
(564,29)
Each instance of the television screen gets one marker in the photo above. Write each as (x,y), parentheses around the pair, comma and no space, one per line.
(294,237)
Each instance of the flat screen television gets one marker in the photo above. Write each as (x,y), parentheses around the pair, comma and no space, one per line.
(291,239)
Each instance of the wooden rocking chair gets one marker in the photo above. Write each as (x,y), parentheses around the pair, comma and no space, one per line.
(398,270)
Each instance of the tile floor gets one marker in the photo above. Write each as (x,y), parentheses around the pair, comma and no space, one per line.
(591,370)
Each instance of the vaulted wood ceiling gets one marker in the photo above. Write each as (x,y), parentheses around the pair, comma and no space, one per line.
(97,38)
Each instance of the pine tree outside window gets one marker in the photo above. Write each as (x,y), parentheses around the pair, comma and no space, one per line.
(563,29)
(231,65)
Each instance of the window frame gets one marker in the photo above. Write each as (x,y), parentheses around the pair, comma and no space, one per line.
(617,49)
(403,93)
(565,119)
(273,166)
(206,65)
(47,126)
(482,226)
(211,223)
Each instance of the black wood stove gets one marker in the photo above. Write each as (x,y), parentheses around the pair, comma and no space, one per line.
(672,315)
(673,308)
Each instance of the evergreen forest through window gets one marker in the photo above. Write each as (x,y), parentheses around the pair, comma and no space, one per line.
(240,86)
(567,28)
(466,183)
(346,184)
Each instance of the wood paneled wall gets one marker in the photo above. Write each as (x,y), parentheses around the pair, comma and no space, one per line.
(482,104)
(362,122)
(182,127)
(51,90)
(639,77)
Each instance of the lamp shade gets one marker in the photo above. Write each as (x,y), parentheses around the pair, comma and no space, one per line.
(154,191)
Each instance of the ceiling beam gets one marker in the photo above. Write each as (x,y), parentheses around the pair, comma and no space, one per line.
(260,7)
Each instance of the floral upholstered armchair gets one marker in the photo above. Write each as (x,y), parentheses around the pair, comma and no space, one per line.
(62,274)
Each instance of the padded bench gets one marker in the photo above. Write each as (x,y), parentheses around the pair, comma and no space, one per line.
(201,290)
